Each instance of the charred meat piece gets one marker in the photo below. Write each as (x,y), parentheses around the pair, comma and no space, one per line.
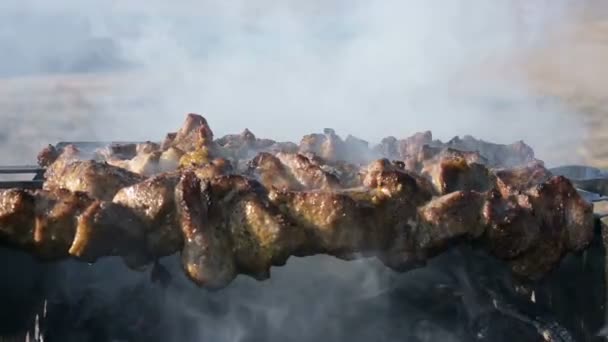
(243,146)
(51,155)
(421,146)
(391,179)
(236,141)
(194,133)
(47,156)
(43,223)
(521,177)
(271,172)
(307,173)
(153,201)
(427,156)
(452,171)
(55,224)
(448,219)
(109,229)
(288,171)
(564,220)
(207,253)
(511,155)
(216,168)
(195,142)
(98,179)
(511,227)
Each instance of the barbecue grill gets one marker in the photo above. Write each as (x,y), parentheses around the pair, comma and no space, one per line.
(584,268)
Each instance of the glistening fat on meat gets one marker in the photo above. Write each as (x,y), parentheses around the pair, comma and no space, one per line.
(228,215)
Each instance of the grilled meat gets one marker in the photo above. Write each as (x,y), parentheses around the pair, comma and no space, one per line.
(47,156)
(421,146)
(451,170)
(55,224)
(239,204)
(193,145)
(232,224)
(291,171)
(511,155)
(153,202)
(99,179)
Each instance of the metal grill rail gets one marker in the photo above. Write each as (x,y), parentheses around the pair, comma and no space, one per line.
(34,183)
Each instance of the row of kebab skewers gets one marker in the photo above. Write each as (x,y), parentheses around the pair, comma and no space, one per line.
(240,204)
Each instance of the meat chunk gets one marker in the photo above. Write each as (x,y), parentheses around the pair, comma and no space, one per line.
(47,156)
(194,133)
(390,179)
(307,173)
(452,171)
(207,254)
(153,201)
(448,219)
(108,229)
(99,180)
(421,146)
(521,178)
(53,225)
(231,229)
(565,221)
(41,222)
(291,172)
(328,145)
(243,146)
(271,172)
(512,228)
(511,155)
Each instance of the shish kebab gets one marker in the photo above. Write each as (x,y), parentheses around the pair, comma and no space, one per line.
(239,204)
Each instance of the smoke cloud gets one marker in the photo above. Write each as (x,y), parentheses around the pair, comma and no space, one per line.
(284,69)
(131,70)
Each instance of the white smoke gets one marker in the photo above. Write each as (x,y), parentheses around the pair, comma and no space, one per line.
(281,69)
(284,69)
(370,69)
